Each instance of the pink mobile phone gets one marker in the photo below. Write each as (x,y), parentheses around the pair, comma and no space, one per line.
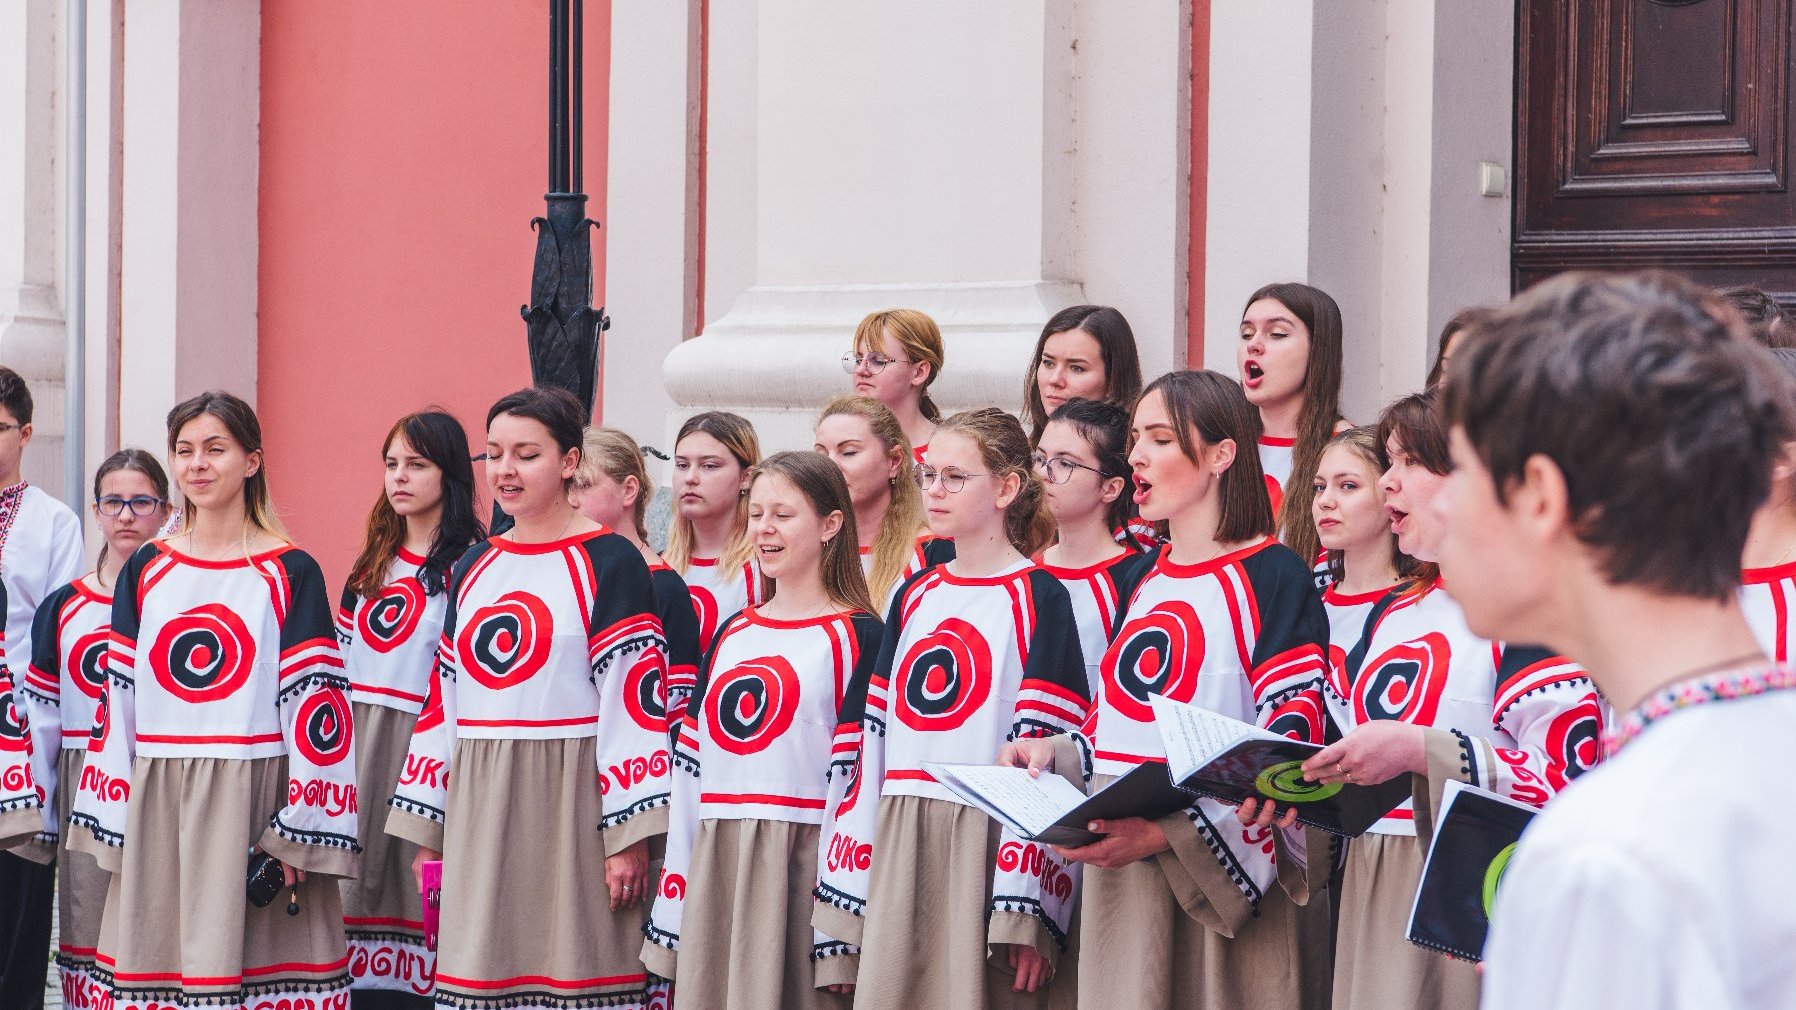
(433,900)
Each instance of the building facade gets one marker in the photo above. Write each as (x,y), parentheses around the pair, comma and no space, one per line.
(325,206)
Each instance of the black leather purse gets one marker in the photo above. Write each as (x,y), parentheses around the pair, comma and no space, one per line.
(265,881)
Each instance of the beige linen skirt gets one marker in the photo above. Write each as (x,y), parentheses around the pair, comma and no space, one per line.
(177,927)
(924,940)
(526,919)
(746,941)
(1375,966)
(80,895)
(383,914)
(1142,949)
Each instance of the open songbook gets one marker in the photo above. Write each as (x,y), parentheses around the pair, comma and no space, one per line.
(1474,836)
(1052,810)
(1229,760)
(1207,755)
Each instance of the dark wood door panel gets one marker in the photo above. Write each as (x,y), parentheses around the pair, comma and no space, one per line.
(1656,132)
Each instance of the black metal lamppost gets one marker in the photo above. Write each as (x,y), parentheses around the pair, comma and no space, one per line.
(564,328)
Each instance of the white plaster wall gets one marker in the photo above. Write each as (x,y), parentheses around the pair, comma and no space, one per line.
(188,250)
(31,314)
(1259,217)
(651,220)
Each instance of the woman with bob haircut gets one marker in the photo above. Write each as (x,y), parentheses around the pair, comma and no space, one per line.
(897,355)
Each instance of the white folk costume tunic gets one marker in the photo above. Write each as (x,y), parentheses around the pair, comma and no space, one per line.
(751,780)
(1606,905)
(1277,456)
(389,646)
(1516,720)
(1099,593)
(1768,596)
(225,723)
(70,639)
(718,591)
(928,551)
(679,626)
(551,668)
(924,883)
(21,798)
(1347,620)
(40,551)
(1243,635)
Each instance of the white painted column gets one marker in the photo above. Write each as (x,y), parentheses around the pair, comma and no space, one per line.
(1346,155)
(188,247)
(105,163)
(31,320)
(651,220)
(986,165)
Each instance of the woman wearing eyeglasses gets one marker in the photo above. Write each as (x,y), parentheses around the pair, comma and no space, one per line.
(977,651)
(1082,457)
(61,684)
(897,354)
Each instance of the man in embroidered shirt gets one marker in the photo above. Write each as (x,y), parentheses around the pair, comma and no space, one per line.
(1611,438)
(40,551)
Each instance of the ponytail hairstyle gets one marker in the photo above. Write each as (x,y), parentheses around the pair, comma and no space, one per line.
(439,437)
(920,337)
(738,437)
(1419,426)
(129,459)
(1212,405)
(820,480)
(1105,427)
(1116,346)
(1004,448)
(1321,409)
(240,422)
(616,455)
(897,533)
(1364,442)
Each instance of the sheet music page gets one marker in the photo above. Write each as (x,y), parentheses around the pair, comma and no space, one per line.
(1193,735)
(1032,804)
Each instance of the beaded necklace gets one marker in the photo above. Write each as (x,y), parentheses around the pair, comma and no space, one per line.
(1724,685)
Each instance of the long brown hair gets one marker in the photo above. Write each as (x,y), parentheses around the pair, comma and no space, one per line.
(920,337)
(616,455)
(1321,409)
(1364,443)
(738,438)
(1212,405)
(1004,449)
(897,534)
(129,459)
(439,437)
(240,422)
(1116,346)
(817,477)
(1419,426)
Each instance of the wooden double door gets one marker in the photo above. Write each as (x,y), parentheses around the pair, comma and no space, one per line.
(1656,133)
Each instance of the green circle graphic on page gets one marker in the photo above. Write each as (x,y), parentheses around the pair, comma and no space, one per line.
(1493,876)
(1285,783)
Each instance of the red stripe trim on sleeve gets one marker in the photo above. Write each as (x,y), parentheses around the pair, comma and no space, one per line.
(910,775)
(179,738)
(386,692)
(587,720)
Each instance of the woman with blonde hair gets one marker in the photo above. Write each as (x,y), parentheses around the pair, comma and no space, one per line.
(897,355)
(753,761)
(708,545)
(867,442)
(948,910)
(612,488)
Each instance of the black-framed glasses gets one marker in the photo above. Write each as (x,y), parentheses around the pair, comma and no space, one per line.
(112,506)
(952,480)
(875,363)
(1059,469)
